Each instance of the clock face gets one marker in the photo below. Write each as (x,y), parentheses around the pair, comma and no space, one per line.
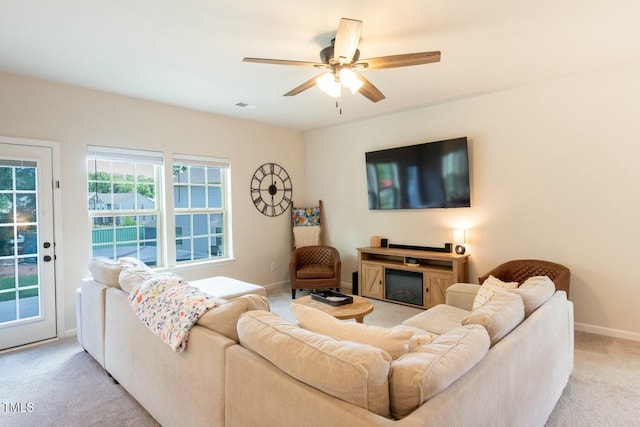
(271,190)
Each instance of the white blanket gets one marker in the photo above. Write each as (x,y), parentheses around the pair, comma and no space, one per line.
(306,236)
(169,307)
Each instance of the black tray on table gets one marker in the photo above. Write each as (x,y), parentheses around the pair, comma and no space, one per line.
(331,297)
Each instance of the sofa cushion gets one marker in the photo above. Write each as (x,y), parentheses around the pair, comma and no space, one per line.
(439,319)
(534,292)
(489,288)
(499,315)
(393,341)
(353,372)
(224,319)
(133,273)
(315,271)
(227,288)
(416,377)
(105,271)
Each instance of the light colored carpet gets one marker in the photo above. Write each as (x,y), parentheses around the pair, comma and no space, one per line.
(64,386)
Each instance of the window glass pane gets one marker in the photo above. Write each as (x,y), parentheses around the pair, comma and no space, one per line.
(6,178)
(197,174)
(215,197)
(213,175)
(180,174)
(9,310)
(200,224)
(197,197)
(29,303)
(200,248)
(25,207)
(183,250)
(6,208)
(183,222)
(216,223)
(27,240)
(25,178)
(181,196)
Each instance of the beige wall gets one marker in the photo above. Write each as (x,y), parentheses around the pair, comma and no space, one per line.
(76,117)
(555,176)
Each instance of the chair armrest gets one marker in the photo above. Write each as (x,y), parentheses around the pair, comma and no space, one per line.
(461,295)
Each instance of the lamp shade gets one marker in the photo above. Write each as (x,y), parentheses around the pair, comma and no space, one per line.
(459,236)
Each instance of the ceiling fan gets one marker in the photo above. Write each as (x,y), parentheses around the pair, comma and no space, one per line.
(342,58)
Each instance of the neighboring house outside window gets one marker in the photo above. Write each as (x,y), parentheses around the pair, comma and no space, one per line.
(128,218)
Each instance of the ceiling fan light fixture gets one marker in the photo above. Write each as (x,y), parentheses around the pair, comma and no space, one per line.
(350,80)
(328,84)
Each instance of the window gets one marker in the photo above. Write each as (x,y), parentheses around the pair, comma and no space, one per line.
(123,203)
(128,216)
(200,208)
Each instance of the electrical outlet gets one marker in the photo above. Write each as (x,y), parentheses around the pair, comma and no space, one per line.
(273,266)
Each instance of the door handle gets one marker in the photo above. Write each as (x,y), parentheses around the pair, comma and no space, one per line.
(47,258)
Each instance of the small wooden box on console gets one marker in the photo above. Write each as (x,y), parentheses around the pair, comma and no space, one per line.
(439,270)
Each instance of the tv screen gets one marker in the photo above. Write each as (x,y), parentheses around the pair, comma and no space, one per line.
(429,175)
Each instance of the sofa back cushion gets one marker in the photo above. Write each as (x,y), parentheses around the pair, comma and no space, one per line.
(534,292)
(356,373)
(418,376)
(499,315)
(392,340)
(224,318)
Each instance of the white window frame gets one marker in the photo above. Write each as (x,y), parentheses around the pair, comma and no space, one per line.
(225,210)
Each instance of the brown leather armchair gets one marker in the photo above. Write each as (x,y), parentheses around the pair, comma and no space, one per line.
(521,269)
(314,267)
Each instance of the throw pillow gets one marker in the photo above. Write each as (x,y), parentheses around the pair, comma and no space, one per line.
(499,315)
(490,287)
(418,376)
(353,372)
(224,319)
(534,292)
(133,273)
(393,341)
(105,271)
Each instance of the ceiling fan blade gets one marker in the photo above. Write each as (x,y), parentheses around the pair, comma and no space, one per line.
(402,60)
(369,90)
(304,86)
(346,41)
(285,62)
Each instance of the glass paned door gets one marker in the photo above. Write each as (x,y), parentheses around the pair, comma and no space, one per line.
(27,277)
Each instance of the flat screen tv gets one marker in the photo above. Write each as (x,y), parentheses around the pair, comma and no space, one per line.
(421,176)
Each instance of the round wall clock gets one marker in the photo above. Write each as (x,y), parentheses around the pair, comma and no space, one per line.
(271,190)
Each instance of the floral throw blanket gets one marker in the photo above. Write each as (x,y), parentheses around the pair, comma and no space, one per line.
(169,306)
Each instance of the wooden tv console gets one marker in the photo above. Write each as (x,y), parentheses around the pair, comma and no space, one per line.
(439,271)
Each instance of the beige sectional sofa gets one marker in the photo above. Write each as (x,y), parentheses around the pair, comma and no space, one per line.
(503,364)
(516,383)
(176,388)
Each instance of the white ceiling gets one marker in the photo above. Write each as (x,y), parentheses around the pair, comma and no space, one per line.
(189,52)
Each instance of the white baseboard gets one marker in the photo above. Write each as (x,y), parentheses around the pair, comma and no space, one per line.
(616,333)
(271,287)
(70,333)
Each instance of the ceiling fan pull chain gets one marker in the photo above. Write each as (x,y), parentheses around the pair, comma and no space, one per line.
(338,107)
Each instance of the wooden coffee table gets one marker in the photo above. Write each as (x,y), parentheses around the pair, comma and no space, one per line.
(356,310)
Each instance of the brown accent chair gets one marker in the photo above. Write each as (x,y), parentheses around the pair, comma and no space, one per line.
(521,269)
(314,267)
